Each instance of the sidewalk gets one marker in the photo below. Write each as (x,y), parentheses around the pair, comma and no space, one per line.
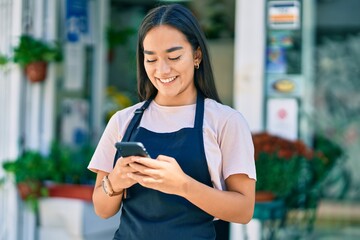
(337,220)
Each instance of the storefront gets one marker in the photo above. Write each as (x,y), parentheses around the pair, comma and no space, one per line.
(267,73)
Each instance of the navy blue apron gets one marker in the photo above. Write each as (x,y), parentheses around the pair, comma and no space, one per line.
(149,214)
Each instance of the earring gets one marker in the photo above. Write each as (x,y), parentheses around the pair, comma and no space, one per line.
(197,65)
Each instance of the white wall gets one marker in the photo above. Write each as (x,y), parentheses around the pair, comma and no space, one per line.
(249,61)
(248,81)
(27,110)
(10,90)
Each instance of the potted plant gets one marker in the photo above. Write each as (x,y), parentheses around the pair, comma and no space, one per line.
(62,173)
(30,170)
(3,60)
(290,169)
(33,55)
(71,179)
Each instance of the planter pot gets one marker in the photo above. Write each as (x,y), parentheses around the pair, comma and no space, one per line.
(111,55)
(77,191)
(36,71)
(30,188)
(264,196)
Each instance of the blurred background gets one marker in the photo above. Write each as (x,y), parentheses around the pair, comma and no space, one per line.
(291,68)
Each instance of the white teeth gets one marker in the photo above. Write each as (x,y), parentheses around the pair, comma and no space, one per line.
(167,80)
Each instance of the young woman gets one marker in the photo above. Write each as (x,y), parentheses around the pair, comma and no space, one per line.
(202,166)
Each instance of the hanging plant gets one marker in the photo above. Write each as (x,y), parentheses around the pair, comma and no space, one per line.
(34,55)
(3,60)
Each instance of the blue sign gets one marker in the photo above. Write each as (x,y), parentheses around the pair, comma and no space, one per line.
(76,19)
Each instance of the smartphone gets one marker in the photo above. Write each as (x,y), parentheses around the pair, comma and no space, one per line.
(131,149)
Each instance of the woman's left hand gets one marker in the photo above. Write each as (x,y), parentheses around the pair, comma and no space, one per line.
(163,174)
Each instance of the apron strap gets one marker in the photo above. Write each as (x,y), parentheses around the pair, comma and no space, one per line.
(199,114)
(134,123)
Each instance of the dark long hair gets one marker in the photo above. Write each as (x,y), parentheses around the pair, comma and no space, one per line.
(179,17)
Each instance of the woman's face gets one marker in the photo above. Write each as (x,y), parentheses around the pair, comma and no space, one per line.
(169,63)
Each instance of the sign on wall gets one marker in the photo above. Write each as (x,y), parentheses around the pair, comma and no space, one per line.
(284,14)
(282,117)
(74,124)
(76,19)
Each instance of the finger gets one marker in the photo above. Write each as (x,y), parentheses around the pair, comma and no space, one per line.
(165,158)
(144,180)
(153,172)
(128,169)
(126,160)
(122,166)
(148,162)
(137,166)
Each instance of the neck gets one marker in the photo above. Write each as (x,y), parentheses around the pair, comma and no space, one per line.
(177,100)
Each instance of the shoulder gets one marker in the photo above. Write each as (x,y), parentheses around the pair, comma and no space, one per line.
(222,114)
(120,120)
(228,140)
(126,113)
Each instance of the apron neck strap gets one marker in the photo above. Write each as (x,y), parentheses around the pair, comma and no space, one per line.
(199,114)
(136,120)
(134,123)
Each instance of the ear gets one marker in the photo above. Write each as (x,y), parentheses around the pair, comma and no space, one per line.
(198,55)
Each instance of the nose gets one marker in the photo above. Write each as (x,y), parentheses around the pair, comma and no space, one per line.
(163,67)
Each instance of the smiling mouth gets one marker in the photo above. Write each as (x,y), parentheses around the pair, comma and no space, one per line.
(167,80)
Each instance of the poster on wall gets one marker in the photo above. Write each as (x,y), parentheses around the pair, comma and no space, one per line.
(282,117)
(284,14)
(285,85)
(275,60)
(76,35)
(76,19)
(284,49)
(74,124)
(74,67)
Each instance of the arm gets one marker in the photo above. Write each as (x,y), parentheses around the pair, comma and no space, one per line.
(102,164)
(234,205)
(104,205)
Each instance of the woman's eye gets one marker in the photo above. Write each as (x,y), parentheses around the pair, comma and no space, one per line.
(150,60)
(174,59)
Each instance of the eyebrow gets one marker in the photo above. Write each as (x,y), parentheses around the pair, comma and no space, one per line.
(167,50)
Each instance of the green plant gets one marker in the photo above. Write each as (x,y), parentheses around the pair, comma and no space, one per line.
(33,171)
(118,37)
(290,168)
(276,165)
(30,169)
(71,164)
(4,60)
(32,50)
(30,166)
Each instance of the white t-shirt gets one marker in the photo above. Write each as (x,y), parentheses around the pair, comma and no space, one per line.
(227,139)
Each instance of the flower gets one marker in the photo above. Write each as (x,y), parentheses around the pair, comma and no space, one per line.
(291,168)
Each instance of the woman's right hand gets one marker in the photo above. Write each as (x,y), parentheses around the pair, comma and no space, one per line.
(119,176)
(104,205)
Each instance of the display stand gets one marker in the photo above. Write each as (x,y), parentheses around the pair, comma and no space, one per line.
(267,220)
(73,219)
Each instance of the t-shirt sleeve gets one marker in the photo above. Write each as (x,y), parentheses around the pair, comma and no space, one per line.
(103,156)
(237,147)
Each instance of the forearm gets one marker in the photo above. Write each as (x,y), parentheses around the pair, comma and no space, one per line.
(231,205)
(104,205)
